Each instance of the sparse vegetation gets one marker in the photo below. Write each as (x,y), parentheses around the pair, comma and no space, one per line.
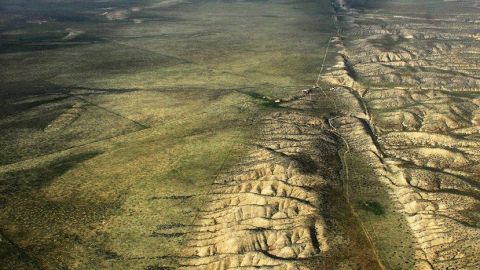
(372,206)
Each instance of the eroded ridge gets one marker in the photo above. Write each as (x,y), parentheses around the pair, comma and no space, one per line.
(416,77)
(266,212)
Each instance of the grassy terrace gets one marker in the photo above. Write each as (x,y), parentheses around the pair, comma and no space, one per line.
(116,116)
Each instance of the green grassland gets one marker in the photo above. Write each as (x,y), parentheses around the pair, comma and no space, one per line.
(116,117)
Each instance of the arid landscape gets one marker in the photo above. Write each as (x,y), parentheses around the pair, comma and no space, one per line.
(290,134)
